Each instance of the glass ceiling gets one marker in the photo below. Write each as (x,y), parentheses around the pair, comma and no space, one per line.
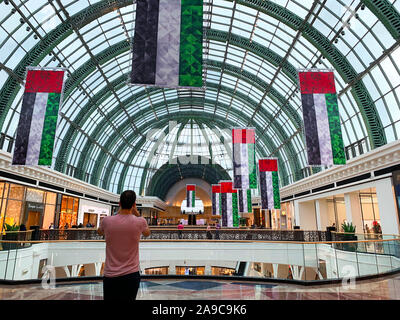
(251,50)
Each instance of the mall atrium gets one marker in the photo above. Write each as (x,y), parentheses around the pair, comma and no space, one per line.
(113,135)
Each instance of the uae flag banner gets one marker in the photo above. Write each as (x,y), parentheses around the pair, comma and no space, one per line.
(321,118)
(168,43)
(215,193)
(190,195)
(38,119)
(244,159)
(229,205)
(244,198)
(269,184)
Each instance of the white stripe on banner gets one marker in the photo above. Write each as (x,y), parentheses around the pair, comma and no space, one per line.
(242,163)
(244,201)
(270,190)
(36,131)
(324,135)
(229,210)
(217,204)
(168,42)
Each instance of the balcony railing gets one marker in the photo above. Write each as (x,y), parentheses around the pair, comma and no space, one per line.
(299,261)
(191,234)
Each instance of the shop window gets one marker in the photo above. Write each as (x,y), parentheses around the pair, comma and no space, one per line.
(16,192)
(69,211)
(222,271)
(369,209)
(336,211)
(157,270)
(188,270)
(90,218)
(13,212)
(34,195)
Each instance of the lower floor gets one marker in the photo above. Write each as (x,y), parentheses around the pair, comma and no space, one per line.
(387,288)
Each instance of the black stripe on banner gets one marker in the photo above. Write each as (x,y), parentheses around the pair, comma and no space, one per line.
(145,42)
(263,187)
(224,209)
(237,179)
(187,199)
(214,205)
(24,127)
(311,130)
(241,209)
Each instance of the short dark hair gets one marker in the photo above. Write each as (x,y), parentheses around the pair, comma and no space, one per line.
(127,199)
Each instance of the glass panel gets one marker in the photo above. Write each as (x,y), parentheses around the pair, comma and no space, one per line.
(34,195)
(16,192)
(13,212)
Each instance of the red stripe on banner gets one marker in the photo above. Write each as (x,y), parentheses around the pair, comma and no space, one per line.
(236,135)
(216,189)
(226,187)
(268,165)
(248,136)
(44,81)
(243,136)
(191,187)
(317,82)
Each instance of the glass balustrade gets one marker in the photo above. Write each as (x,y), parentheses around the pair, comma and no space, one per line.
(60,254)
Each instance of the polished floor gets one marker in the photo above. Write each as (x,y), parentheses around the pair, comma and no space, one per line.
(387,288)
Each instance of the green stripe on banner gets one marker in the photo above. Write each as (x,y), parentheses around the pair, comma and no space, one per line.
(235,210)
(220,204)
(49,129)
(334,128)
(193,198)
(252,165)
(275,187)
(191,44)
(249,204)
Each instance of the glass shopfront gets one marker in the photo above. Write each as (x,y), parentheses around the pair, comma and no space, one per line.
(187,270)
(25,205)
(69,212)
(336,211)
(369,210)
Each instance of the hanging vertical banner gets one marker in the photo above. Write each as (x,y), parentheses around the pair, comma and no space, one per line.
(190,195)
(244,198)
(244,158)
(322,129)
(215,192)
(168,43)
(229,205)
(269,183)
(38,119)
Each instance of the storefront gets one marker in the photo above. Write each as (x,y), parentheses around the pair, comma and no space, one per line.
(68,212)
(25,205)
(92,213)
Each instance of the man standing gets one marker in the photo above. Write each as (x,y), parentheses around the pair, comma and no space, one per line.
(122,233)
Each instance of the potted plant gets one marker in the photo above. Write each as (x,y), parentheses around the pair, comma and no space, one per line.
(11,235)
(349,231)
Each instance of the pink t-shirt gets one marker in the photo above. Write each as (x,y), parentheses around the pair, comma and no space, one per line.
(122,233)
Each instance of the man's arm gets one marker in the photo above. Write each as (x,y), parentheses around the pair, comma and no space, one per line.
(146,231)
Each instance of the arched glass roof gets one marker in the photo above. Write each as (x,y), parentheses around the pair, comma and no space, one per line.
(251,51)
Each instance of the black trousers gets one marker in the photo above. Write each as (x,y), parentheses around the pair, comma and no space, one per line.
(121,288)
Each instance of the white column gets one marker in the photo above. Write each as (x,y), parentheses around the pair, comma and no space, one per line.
(321,212)
(387,207)
(353,210)
(306,213)
(98,266)
(67,271)
(296,215)
(275,270)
